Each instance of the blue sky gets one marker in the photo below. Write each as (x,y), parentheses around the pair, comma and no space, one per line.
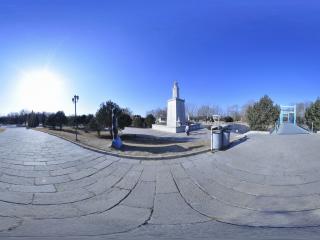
(221,52)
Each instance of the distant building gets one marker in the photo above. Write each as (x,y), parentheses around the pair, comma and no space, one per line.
(162,120)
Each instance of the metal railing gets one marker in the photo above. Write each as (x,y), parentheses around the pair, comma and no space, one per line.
(276,125)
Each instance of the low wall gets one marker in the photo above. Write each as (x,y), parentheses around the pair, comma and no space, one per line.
(165,128)
(180,129)
(195,126)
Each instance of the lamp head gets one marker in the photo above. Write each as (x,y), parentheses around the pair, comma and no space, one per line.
(75,98)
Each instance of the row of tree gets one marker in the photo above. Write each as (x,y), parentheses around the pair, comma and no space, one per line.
(142,122)
(46,119)
(22,118)
(205,112)
(260,115)
(100,121)
(103,118)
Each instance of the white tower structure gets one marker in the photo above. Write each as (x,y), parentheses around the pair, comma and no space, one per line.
(176,115)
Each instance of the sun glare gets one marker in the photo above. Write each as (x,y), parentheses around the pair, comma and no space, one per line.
(41,90)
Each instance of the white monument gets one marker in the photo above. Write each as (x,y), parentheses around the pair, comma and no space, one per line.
(176,113)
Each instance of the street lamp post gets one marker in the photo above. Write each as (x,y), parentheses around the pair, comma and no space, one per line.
(75,99)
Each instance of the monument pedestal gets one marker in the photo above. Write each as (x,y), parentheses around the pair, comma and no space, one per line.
(176,113)
(165,128)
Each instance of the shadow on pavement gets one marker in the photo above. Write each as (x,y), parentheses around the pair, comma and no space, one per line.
(164,149)
(237,142)
(149,139)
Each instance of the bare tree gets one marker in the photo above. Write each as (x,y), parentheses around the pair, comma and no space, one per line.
(23,115)
(205,111)
(191,110)
(158,113)
(300,110)
(216,110)
(209,110)
(234,112)
(244,109)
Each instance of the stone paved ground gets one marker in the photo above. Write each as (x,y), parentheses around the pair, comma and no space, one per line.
(267,187)
(289,128)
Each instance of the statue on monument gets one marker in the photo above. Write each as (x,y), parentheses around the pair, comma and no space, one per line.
(175,90)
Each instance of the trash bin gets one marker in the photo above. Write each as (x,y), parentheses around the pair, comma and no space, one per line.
(216,139)
(225,138)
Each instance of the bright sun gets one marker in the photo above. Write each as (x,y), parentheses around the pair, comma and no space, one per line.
(41,90)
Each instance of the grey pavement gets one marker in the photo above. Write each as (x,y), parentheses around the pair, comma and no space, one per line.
(289,128)
(267,187)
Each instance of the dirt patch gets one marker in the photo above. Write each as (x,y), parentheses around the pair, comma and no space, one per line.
(134,145)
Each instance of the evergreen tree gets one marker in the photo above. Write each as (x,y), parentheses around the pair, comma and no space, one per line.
(312,115)
(150,119)
(60,119)
(138,121)
(104,115)
(93,125)
(262,114)
(32,120)
(124,120)
(51,121)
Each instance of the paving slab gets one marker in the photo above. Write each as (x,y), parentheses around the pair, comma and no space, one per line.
(102,202)
(130,180)
(61,197)
(16,197)
(52,180)
(170,208)
(142,195)
(9,223)
(165,183)
(39,211)
(17,180)
(103,185)
(33,188)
